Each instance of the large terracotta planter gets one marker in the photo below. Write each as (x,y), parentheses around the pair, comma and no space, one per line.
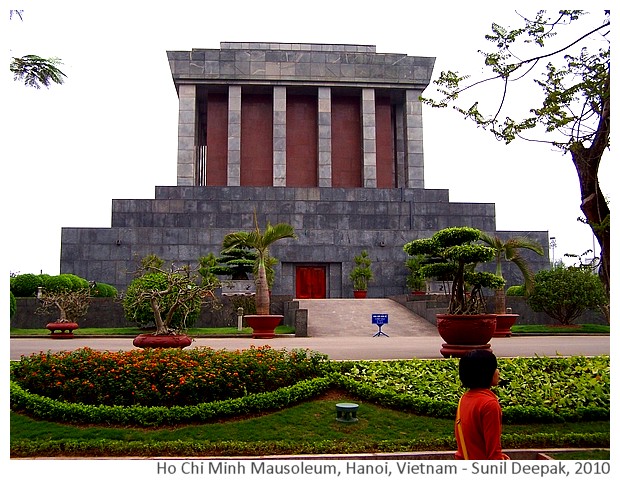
(263,326)
(150,340)
(505,321)
(61,329)
(463,333)
(359,293)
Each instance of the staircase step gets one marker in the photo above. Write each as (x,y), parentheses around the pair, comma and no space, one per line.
(348,317)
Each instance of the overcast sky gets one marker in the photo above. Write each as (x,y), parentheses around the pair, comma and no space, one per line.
(111,130)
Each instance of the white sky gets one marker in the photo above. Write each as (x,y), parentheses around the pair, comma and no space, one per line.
(111,130)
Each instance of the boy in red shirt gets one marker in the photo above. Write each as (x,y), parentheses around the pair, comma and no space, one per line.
(478,424)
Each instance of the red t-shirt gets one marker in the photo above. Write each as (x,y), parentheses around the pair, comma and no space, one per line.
(481,422)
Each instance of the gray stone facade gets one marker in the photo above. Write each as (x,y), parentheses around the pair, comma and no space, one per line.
(333,225)
(189,220)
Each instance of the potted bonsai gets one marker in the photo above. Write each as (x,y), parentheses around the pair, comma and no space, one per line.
(170,298)
(509,250)
(415,281)
(70,296)
(452,253)
(263,323)
(361,274)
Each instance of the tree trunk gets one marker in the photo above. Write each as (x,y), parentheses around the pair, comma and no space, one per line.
(593,203)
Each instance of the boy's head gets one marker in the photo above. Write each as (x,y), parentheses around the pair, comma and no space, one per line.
(478,369)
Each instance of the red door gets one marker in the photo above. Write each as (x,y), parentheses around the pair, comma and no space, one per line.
(310,282)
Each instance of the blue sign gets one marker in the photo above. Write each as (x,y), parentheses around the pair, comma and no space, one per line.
(379,318)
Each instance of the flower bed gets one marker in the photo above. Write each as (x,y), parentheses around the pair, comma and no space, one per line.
(161,377)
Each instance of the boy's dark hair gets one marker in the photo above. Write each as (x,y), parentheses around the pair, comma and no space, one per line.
(476,369)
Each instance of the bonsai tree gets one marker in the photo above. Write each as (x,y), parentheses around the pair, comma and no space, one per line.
(169,297)
(361,274)
(260,241)
(238,262)
(452,254)
(67,293)
(564,293)
(415,280)
(509,250)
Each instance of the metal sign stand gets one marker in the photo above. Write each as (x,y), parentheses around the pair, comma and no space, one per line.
(380,319)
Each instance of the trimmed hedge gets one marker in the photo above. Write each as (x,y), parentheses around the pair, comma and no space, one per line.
(118,448)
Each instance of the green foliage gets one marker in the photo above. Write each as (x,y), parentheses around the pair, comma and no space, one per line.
(415,280)
(12,305)
(362,273)
(261,242)
(238,262)
(450,255)
(101,289)
(25,284)
(564,293)
(35,71)
(537,390)
(516,291)
(58,283)
(141,312)
(208,264)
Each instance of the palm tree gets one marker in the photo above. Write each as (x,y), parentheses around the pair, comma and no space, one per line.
(260,241)
(509,250)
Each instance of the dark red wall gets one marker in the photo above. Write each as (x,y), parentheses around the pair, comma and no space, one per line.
(217,139)
(386,173)
(346,142)
(301,141)
(256,140)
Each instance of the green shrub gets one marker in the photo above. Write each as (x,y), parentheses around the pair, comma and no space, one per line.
(13,305)
(77,283)
(25,285)
(516,291)
(564,293)
(104,290)
(142,313)
(58,283)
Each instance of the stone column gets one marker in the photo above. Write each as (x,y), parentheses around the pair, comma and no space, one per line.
(234,135)
(413,139)
(279,136)
(186,156)
(369,139)
(401,170)
(325,137)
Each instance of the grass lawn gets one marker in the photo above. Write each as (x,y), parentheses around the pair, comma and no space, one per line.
(284,330)
(308,422)
(132,331)
(557,329)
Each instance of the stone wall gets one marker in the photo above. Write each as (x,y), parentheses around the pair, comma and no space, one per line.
(333,225)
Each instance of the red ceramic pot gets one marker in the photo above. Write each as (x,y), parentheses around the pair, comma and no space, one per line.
(150,340)
(263,326)
(463,333)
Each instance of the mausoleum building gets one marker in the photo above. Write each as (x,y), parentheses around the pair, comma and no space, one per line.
(327,138)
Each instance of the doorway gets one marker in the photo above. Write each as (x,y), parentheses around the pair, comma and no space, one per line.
(310,281)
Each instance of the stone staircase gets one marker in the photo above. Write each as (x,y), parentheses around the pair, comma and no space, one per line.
(348,317)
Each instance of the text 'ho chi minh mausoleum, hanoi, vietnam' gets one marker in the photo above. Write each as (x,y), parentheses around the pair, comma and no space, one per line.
(327,138)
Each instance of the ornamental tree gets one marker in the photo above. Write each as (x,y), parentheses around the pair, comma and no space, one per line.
(171,298)
(260,241)
(565,293)
(451,255)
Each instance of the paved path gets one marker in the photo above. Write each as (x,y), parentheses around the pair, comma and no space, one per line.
(342,329)
(344,348)
(352,318)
